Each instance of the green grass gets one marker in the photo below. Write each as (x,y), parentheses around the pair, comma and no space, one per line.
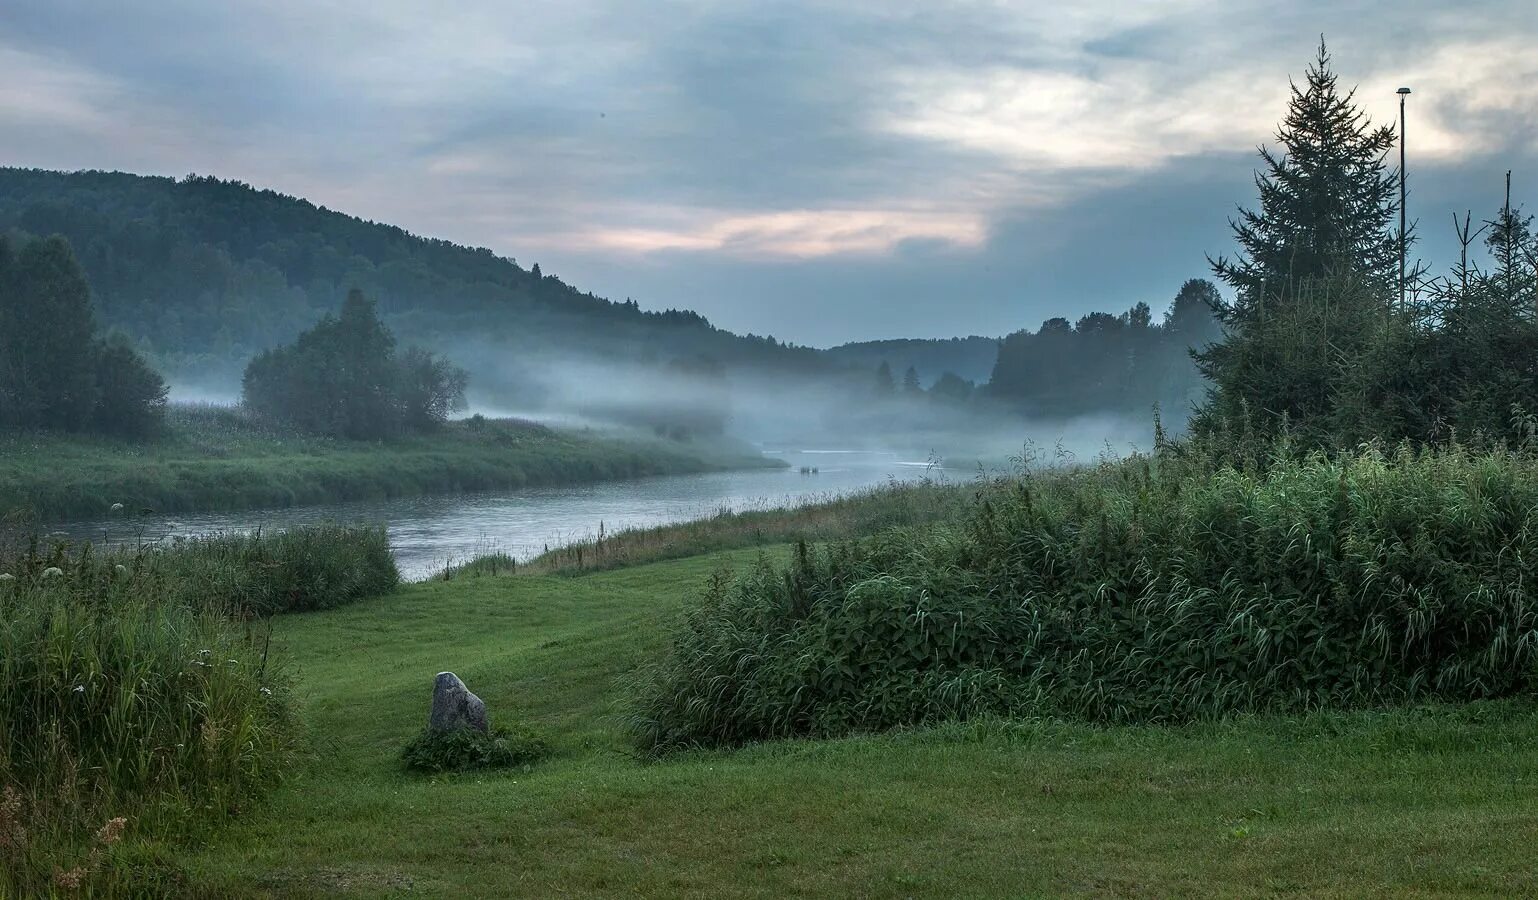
(1429,801)
(213,458)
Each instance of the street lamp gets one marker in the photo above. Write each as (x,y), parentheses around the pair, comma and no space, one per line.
(1403,239)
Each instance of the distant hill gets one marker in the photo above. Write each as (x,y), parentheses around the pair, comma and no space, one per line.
(205,272)
(971,358)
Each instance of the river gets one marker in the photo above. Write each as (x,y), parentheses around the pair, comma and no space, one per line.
(427,533)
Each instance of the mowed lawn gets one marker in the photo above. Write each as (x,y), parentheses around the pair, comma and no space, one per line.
(1426,802)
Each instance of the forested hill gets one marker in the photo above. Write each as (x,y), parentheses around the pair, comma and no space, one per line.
(205,273)
(971,358)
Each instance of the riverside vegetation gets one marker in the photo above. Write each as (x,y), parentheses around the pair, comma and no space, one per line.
(137,696)
(220,458)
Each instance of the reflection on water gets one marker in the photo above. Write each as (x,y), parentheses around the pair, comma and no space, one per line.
(427,532)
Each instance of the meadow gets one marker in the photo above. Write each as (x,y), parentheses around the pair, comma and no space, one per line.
(1367,765)
(217,459)
(1426,800)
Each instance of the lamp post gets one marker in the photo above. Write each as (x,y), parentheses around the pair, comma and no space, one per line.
(1403,238)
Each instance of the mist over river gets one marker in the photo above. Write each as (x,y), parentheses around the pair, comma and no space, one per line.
(428,532)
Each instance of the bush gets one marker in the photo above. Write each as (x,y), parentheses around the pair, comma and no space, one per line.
(1150,590)
(466,750)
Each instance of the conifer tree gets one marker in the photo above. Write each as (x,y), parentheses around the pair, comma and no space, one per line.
(885,386)
(1318,269)
(1327,201)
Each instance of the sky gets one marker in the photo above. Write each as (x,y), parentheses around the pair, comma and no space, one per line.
(822,172)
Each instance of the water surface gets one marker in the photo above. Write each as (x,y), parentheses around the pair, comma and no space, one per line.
(427,533)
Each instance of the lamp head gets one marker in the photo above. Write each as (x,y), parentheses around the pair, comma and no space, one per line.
(1402,91)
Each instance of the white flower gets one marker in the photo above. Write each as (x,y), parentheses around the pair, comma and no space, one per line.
(117,507)
(80,689)
(267,691)
(52,572)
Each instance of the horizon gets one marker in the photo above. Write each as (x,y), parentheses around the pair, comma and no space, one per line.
(822,176)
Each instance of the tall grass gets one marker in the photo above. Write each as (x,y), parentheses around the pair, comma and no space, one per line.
(835,517)
(137,698)
(249,574)
(1154,589)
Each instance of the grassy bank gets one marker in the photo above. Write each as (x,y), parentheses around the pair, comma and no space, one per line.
(214,458)
(1429,801)
(840,517)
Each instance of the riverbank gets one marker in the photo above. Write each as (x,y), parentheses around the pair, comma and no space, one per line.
(215,459)
(1431,800)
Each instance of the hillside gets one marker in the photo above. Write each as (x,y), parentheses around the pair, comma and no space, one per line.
(205,272)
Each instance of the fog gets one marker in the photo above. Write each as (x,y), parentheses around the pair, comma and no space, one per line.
(769,408)
(838,409)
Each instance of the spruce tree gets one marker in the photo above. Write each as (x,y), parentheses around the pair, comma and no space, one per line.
(885,386)
(1318,270)
(1327,201)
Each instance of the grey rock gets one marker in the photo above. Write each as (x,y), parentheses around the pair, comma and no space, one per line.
(454,706)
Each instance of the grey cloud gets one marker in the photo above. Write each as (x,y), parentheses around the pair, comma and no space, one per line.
(502,126)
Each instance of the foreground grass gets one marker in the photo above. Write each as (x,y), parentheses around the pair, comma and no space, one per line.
(1433,801)
(212,458)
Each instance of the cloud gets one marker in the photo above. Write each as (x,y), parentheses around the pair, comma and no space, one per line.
(815,170)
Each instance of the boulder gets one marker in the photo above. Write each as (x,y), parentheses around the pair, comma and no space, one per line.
(454,706)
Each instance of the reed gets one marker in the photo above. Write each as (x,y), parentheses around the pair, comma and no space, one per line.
(1155,589)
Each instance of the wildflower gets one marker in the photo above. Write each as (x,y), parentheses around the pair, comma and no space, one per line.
(71,880)
(112,832)
(265,691)
(52,572)
(117,507)
(12,835)
(80,689)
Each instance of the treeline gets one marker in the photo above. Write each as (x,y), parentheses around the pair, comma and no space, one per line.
(1325,343)
(1105,362)
(57,370)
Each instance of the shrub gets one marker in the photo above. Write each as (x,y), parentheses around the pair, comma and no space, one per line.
(466,749)
(1150,590)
